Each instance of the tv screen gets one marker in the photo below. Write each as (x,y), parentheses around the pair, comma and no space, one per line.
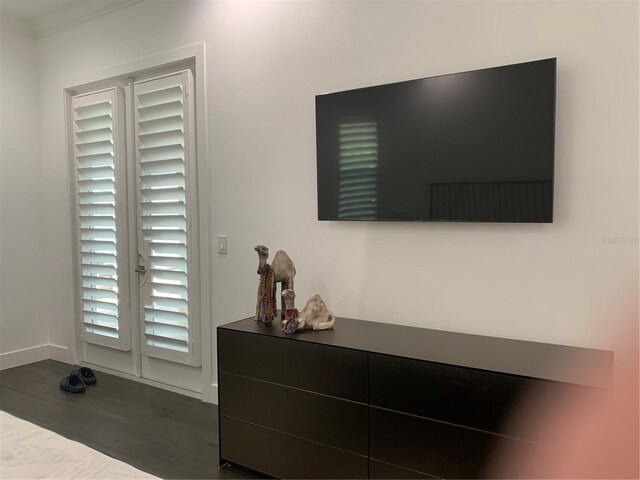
(475,146)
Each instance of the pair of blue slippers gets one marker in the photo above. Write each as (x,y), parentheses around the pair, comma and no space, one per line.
(78,379)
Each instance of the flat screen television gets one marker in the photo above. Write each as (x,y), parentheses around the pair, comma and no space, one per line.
(476,146)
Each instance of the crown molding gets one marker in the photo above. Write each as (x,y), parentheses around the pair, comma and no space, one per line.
(77,14)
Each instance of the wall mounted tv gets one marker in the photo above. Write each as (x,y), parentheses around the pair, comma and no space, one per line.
(476,146)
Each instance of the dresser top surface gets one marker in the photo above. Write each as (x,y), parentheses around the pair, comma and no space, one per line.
(562,363)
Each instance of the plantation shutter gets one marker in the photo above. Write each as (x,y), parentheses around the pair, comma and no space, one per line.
(358,169)
(98,142)
(165,158)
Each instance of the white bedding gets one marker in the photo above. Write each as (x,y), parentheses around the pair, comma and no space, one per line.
(29,451)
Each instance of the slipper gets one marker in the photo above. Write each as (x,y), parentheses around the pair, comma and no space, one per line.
(72,383)
(86,374)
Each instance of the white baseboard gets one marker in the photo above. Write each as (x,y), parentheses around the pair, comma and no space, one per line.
(212,395)
(60,353)
(24,356)
(38,353)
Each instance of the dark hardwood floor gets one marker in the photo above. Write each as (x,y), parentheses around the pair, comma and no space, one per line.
(163,433)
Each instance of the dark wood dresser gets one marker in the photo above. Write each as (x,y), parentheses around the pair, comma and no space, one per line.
(375,400)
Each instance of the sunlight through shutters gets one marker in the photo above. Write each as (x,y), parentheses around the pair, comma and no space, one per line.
(164,155)
(99,176)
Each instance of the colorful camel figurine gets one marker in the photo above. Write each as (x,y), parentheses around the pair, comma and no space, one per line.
(290,310)
(280,271)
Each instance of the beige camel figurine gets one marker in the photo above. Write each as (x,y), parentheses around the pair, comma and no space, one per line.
(315,315)
(283,272)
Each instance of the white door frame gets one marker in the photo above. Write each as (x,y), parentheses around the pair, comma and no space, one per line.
(108,76)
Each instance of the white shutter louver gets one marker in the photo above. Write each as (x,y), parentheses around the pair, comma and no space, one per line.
(165,159)
(99,174)
(358,169)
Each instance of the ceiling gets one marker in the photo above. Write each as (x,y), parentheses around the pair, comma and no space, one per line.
(43,17)
(32,10)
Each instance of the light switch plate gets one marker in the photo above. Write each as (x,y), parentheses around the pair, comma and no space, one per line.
(222,244)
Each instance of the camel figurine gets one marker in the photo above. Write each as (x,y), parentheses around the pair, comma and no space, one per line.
(290,310)
(315,315)
(266,302)
(280,271)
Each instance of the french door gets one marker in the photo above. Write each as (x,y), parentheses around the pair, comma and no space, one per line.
(135,202)
(165,198)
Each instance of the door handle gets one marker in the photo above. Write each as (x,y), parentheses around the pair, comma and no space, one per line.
(142,269)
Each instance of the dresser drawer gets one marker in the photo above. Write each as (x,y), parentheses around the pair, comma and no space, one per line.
(436,448)
(464,396)
(338,372)
(329,420)
(285,456)
(383,470)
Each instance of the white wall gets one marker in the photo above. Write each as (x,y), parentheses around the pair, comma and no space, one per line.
(22,326)
(555,283)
